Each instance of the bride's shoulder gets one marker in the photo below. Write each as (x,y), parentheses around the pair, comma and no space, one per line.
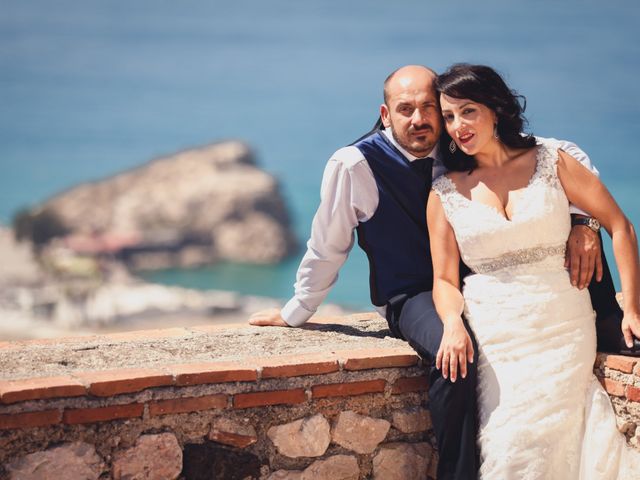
(446,183)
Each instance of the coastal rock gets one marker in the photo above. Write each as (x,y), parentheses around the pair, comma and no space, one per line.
(307,437)
(359,433)
(154,457)
(195,207)
(71,460)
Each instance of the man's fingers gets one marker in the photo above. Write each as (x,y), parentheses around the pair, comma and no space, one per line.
(575,269)
(599,268)
(265,318)
(587,266)
(439,359)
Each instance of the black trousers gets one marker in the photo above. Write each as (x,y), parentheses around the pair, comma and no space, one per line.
(453,405)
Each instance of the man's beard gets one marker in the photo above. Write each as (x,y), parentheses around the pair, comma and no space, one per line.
(428,147)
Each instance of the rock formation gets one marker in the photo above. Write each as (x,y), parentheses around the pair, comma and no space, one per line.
(192,208)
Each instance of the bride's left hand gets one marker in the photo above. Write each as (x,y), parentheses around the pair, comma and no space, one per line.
(630,327)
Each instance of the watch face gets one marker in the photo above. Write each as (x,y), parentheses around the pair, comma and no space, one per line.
(594,224)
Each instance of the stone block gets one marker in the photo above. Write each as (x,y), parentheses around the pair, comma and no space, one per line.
(359,433)
(401,461)
(338,467)
(285,475)
(153,457)
(307,437)
(411,419)
(76,460)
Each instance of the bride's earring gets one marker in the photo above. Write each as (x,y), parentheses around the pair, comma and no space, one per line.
(495,131)
(452,147)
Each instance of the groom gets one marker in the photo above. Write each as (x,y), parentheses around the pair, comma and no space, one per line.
(378,187)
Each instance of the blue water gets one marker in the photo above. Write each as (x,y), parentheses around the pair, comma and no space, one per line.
(89,88)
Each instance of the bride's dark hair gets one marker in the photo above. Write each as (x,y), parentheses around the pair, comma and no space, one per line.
(484,85)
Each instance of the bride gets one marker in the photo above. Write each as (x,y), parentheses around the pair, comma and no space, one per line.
(503,209)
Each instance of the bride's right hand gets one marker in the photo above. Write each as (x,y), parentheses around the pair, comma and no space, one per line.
(455,350)
(630,327)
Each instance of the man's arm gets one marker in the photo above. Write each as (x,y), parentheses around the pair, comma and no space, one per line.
(584,250)
(348,195)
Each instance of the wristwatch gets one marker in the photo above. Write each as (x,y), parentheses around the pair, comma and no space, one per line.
(590,222)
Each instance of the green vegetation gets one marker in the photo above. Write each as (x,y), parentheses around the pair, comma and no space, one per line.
(38,226)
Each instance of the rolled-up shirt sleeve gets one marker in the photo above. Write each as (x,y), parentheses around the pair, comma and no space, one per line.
(348,195)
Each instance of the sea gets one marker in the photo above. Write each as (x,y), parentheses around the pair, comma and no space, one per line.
(90,88)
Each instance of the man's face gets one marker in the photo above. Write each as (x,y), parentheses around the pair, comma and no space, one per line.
(412,111)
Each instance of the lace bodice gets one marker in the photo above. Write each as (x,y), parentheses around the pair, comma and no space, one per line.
(534,238)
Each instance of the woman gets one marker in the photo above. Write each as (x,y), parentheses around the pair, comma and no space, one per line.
(504,210)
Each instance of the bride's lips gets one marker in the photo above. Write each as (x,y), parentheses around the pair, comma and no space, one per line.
(465,138)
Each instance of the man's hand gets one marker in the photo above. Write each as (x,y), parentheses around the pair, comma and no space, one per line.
(583,256)
(455,350)
(269,317)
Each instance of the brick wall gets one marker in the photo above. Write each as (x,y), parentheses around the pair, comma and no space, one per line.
(340,413)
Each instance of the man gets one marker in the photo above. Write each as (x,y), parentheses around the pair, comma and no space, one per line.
(378,187)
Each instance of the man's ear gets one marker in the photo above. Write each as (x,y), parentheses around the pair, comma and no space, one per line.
(384,115)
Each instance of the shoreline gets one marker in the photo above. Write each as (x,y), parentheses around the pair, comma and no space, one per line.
(35,304)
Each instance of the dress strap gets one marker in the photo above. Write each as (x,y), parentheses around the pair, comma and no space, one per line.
(546,166)
(450,198)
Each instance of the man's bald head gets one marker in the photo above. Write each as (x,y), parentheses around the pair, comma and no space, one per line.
(411,110)
(406,74)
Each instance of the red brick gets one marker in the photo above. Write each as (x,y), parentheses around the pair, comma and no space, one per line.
(297,365)
(102,414)
(276,397)
(379,358)
(218,372)
(12,391)
(107,383)
(620,363)
(613,387)
(185,405)
(633,393)
(348,389)
(29,419)
(410,384)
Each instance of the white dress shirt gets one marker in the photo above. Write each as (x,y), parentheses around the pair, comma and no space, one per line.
(349,195)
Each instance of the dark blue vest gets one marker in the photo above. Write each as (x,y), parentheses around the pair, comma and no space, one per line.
(395,239)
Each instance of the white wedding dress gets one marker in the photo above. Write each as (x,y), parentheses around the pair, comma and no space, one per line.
(542,412)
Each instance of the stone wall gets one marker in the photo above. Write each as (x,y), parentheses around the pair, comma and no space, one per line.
(329,413)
